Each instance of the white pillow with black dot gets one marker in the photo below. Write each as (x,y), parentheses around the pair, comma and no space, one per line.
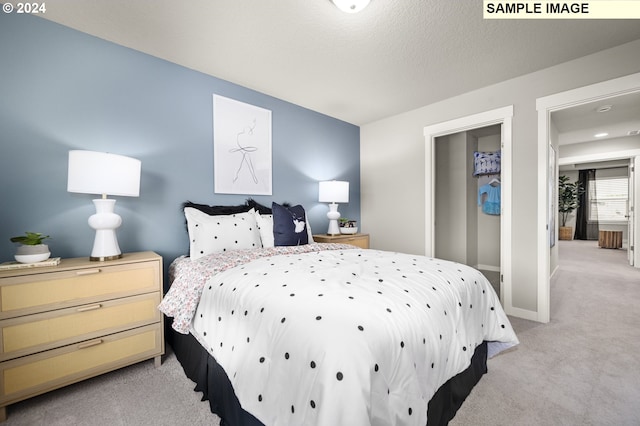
(212,234)
(265,225)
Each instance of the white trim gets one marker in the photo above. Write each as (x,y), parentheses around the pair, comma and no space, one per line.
(524,314)
(502,116)
(606,156)
(492,268)
(545,106)
(635,216)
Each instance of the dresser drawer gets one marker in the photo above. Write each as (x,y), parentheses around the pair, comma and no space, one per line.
(44,371)
(34,333)
(23,295)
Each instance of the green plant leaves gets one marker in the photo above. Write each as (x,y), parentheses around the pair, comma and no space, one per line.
(30,238)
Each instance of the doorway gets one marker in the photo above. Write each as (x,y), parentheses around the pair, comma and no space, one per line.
(501,118)
(467,204)
(547,137)
(608,201)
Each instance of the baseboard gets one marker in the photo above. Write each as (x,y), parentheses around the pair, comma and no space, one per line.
(522,313)
(488,268)
(554,271)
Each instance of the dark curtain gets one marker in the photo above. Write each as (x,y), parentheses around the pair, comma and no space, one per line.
(586,229)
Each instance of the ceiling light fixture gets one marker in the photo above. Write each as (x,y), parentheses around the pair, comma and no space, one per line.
(351,6)
(601,135)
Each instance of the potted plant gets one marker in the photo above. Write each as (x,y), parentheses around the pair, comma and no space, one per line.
(31,248)
(568,201)
(348,226)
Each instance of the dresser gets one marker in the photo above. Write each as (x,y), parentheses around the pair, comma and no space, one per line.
(358,240)
(63,324)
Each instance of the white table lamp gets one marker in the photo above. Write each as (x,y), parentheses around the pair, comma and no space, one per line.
(92,172)
(333,192)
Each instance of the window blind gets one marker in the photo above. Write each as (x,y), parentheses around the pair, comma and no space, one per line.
(609,199)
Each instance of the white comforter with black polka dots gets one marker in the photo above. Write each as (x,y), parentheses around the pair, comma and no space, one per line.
(346,337)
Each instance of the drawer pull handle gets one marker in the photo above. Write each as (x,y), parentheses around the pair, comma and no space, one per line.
(88,272)
(89,344)
(89,308)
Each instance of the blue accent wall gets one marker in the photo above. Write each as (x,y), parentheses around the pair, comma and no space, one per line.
(61,89)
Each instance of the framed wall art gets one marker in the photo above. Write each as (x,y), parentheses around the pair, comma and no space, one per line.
(241,148)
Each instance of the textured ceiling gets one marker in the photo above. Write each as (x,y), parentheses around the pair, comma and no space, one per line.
(394,56)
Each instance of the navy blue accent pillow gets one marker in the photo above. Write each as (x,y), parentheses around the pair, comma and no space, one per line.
(289,225)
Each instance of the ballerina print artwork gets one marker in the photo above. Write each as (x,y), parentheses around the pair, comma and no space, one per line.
(241,148)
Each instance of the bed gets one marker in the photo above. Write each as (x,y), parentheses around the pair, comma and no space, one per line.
(278,330)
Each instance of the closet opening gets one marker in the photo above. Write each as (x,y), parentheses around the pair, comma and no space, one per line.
(467,199)
(483,127)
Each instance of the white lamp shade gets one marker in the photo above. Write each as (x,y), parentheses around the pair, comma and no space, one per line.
(92,172)
(333,191)
(351,6)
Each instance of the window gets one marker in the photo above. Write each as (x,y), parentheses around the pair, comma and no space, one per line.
(609,199)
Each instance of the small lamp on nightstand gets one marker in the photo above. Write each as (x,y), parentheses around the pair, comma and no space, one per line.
(103,173)
(333,192)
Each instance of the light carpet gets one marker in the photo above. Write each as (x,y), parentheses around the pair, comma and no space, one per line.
(138,395)
(583,368)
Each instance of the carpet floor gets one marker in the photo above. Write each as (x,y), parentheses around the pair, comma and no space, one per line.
(138,395)
(583,368)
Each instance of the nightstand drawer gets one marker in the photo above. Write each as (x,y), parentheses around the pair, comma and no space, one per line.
(22,295)
(361,241)
(34,333)
(358,240)
(48,370)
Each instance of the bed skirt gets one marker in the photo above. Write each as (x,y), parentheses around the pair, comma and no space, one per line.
(212,381)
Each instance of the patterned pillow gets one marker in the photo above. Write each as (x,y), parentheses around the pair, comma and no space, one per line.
(486,163)
(211,234)
(265,225)
(289,225)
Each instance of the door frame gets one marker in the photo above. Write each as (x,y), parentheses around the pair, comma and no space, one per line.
(631,213)
(633,156)
(545,106)
(501,116)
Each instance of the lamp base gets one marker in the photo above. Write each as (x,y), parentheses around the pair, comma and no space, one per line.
(107,258)
(105,222)
(333,216)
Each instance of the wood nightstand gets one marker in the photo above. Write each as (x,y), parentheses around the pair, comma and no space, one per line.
(358,240)
(63,324)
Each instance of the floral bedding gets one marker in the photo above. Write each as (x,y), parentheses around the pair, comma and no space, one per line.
(188,277)
(326,334)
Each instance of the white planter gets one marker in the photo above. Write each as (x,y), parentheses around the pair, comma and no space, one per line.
(32,254)
(350,227)
(345,230)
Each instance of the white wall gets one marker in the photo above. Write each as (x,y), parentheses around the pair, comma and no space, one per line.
(599,147)
(456,236)
(393,170)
